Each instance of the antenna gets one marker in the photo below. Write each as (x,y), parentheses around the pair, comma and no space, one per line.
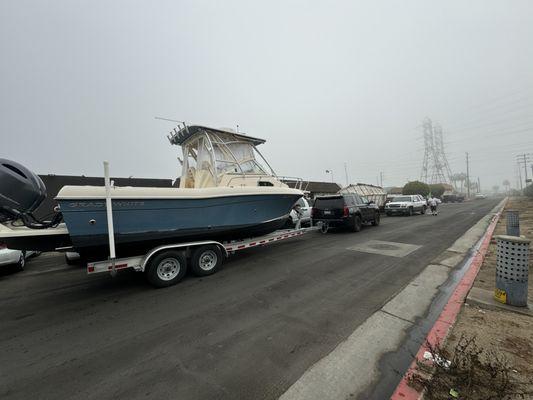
(169,119)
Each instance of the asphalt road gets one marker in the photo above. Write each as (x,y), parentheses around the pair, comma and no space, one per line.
(247,332)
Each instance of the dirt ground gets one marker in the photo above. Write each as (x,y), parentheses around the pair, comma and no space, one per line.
(486,276)
(505,332)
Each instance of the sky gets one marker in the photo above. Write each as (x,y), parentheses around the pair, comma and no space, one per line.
(327,84)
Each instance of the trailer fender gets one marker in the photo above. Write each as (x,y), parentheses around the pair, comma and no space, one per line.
(180,246)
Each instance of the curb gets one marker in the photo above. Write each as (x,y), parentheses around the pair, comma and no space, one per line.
(448,316)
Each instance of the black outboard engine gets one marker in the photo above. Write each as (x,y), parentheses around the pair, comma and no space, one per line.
(21,192)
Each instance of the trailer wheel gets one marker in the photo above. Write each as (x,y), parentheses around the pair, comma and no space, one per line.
(206,260)
(166,268)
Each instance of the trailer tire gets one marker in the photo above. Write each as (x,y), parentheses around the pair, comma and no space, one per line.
(206,260)
(166,268)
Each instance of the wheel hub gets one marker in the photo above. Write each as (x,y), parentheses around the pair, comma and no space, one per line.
(208,260)
(168,269)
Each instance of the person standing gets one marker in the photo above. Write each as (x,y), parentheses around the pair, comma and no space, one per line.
(433,205)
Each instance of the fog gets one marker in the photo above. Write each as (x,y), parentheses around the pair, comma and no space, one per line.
(326,83)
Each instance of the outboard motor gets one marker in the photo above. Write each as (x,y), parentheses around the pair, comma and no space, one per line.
(21,192)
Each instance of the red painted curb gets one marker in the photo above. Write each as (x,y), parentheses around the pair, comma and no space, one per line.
(446,319)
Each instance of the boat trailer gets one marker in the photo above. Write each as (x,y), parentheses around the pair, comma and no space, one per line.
(166,265)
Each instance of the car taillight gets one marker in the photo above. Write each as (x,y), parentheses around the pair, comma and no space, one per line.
(346,212)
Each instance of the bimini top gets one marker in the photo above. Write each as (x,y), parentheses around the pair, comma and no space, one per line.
(185,132)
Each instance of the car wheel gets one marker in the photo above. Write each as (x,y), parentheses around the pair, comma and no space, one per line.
(376,220)
(166,268)
(21,263)
(410,211)
(424,209)
(357,223)
(206,260)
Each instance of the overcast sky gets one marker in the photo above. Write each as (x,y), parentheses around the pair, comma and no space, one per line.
(326,83)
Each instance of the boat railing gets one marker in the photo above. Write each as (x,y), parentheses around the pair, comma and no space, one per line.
(298,182)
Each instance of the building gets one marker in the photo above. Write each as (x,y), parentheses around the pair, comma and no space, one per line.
(314,188)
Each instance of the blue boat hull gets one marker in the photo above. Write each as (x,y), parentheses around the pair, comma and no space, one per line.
(141,224)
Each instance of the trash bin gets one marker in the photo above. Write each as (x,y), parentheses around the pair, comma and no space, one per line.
(512,270)
(513,223)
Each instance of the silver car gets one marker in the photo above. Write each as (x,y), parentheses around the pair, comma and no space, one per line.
(15,258)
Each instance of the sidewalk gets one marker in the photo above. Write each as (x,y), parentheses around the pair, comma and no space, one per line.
(503,333)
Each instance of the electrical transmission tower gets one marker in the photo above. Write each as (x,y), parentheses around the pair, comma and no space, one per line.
(435,167)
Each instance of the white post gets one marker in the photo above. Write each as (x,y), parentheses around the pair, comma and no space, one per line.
(109,210)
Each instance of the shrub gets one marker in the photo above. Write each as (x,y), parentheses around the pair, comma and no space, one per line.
(437,190)
(416,187)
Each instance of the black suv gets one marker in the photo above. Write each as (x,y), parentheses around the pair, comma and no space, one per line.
(345,210)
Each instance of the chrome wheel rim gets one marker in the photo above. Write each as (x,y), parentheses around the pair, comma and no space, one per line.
(208,260)
(168,269)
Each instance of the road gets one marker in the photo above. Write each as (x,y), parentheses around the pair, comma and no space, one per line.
(247,332)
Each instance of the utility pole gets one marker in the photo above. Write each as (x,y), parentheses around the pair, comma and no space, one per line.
(467,176)
(381,179)
(346,173)
(523,159)
(478,185)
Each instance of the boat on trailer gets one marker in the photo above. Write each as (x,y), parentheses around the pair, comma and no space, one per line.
(227,192)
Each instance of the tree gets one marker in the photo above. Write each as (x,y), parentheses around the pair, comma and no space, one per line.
(437,190)
(460,177)
(416,187)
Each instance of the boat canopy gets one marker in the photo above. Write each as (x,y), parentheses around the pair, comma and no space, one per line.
(218,157)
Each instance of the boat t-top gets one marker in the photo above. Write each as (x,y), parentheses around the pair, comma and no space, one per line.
(221,157)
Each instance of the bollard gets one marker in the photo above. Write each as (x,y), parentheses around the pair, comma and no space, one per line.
(513,223)
(512,270)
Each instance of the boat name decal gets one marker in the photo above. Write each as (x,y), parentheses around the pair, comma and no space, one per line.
(101,204)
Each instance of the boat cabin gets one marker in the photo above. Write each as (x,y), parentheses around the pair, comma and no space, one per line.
(219,157)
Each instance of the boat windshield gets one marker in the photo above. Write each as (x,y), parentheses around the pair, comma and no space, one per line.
(210,155)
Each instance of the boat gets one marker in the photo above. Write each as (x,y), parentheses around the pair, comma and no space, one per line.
(225,193)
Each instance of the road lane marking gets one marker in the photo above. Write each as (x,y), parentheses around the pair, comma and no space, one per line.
(393,249)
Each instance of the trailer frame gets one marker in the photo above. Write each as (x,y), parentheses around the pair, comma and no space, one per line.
(142,263)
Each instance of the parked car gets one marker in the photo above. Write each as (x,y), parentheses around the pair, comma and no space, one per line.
(453,198)
(345,210)
(406,205)
(301,211)
(15,258)
(480,196)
